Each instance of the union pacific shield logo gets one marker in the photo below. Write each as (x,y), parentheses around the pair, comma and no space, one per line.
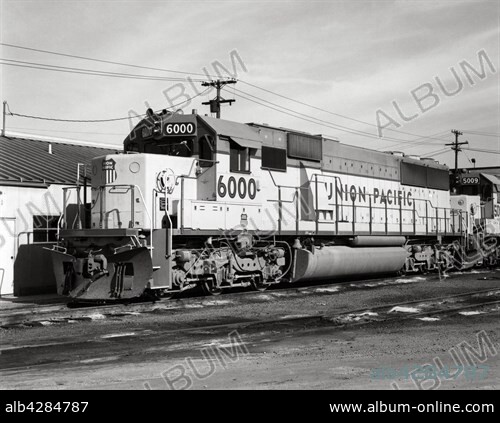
(108,168)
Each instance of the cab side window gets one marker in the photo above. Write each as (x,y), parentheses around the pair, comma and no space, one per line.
(239,158)
(206,147)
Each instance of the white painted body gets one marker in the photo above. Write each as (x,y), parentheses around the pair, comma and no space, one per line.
(204,208)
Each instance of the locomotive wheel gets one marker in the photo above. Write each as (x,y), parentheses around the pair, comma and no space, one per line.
(209,288)
(258,285)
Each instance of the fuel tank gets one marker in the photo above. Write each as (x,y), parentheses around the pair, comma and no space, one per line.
(342,261)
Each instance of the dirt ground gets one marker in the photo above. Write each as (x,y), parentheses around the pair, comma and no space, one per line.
(293,346)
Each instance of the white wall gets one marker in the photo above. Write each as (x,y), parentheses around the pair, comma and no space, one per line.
(18,205)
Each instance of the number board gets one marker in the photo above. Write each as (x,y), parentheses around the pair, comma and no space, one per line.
(469,180)
(233,187)
(175,129)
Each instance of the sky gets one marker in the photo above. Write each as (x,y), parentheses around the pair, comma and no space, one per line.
(385,75)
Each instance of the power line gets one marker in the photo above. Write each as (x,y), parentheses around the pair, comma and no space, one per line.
(435,153)
(329,124)
(350,130)
(82,71)
(316,120)
(97,120)
(207,75)
(480,150)
(308,117)
(466,155)
(68,132)
(440,152)
(329,112)
(484,134)
(296,115)
(102,61)
(416,143)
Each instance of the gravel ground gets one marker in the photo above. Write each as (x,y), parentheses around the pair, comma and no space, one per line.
(133,351)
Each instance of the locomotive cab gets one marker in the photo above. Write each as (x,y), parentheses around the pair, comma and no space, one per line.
(487,187)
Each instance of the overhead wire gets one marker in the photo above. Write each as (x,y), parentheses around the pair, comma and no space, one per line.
(219,76)
(65,131)
(74,56)
(83,71)
(416,143)
(303,116)
(99,120)
(480,150)
(312,119)
(330,112)
(484,134)
(206,74)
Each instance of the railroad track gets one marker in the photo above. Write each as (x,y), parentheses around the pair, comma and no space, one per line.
(422,308)
(53,313)
(100,346)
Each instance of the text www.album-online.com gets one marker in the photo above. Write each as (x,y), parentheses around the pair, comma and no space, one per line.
(436,407)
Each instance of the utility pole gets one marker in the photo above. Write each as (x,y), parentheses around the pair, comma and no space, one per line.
(218,100)
(3,120)
(455,146)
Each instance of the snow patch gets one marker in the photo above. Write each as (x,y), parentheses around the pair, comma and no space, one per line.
(96,316)
(470,313)
(216,302)
(98,360)
(410,280)
(294,316)
(331,289)
(399,309)
(218,344)
(429,319)
(118,335)
(193,306)
(265,297)
(356,317)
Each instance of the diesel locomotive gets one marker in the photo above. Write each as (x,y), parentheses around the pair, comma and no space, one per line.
(194,201)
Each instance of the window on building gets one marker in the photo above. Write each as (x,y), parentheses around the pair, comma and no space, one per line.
(45,228)
(273,158)
(239,158)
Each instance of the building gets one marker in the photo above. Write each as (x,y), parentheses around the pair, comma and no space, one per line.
(33,176)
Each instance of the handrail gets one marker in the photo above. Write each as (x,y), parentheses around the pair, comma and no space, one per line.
(337,178)
(99,189)
(438,214)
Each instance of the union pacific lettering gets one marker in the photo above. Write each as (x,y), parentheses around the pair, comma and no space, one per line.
(355,193)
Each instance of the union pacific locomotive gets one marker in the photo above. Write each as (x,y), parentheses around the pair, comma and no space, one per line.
(195,201)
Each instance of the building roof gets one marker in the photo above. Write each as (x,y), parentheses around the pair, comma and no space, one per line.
(25,161)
